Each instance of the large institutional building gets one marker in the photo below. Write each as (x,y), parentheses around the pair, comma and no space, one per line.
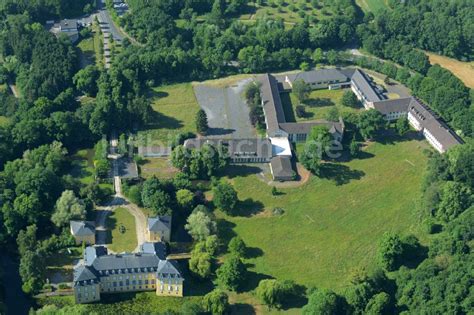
(276,148)
(147,270)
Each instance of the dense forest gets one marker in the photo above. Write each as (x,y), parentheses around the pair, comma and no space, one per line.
(199,39)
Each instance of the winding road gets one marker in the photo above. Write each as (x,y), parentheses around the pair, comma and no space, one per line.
(119,200)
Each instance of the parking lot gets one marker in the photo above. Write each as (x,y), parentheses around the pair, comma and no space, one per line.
(227,112)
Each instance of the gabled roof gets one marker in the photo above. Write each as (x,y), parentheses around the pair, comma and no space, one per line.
(82,228)
(156,248)
(160,223)
(68,24)
(319,75)
(389,106)
(281,166)
(83,273)
(429,120)
(168,267)
(271,100)
(363,84)
(305,127)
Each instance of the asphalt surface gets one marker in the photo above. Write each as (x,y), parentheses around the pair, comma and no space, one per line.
(227,112)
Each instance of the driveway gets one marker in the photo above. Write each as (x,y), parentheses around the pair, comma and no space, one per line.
(227,112)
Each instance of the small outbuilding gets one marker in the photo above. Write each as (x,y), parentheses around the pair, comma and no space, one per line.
(159,229)
(281,168)
(83,232)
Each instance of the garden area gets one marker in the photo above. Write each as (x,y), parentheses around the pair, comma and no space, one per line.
(318,105)
(121,229)
(175,108)
(159,167)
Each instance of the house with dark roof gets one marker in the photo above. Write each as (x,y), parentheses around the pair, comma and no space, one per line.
(68,27)
(147,270)
(159,229)
(83,232)
(281,168)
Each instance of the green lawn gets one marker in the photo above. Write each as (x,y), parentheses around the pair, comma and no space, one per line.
(123,237)
(372,5)
(330,225)
(83,165)
(317,106)
(87,51)
(159,167)
(175,108)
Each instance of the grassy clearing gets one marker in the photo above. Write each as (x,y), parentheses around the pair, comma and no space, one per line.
(291,11)
(87,51)
(123,237)
(82,165)
(463,70)
(372,5)
(159,167)
(317,106)
(332,224)
(175,108)
(227,81)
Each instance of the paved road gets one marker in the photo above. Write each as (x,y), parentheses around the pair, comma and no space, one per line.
(108,26)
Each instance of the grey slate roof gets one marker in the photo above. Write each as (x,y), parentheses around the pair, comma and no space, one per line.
(363,84)
(156,248)
(389,106)
(319,75)
(83,273)
(125,261)
(68,25)
(281,166)
(433,124)
(92,252)
(256,147)
(160,223)
(271,100)
(168,267)
(82,228)
(305,127)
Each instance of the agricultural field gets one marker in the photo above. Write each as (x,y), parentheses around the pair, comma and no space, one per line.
(291,11)
(463,70)
(175,108)
(372,5)
(123,237)
(332,224)
(318,105)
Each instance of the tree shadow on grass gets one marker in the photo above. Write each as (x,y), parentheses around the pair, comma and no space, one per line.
(236,170)
(225,230)
(389,136)
(252,280)
(319,102)
(160,121)
(248,207)
(340,174)
(158,94)
(296,300)
(253,252)
(241,308)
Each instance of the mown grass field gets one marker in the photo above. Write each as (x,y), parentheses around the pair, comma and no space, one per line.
(159,167)
(87,51)
(463,70)
(175,108)
(123,237)
(372,5)
(332,224)
(83,165)
(317,106)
